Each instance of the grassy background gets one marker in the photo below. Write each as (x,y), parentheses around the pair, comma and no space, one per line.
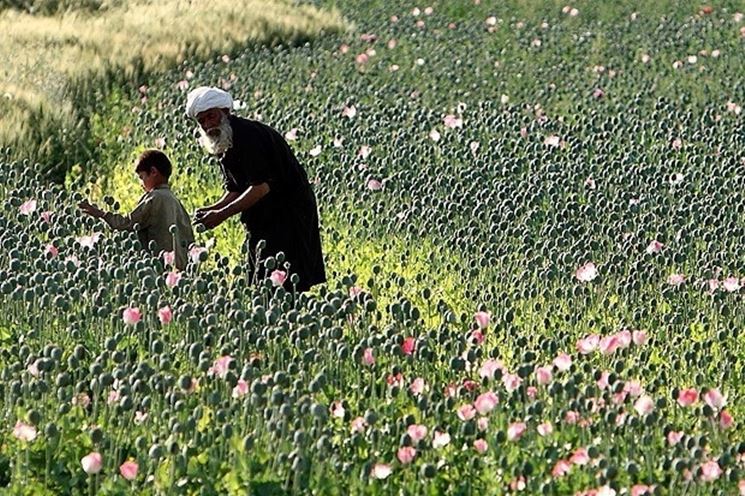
(55,66)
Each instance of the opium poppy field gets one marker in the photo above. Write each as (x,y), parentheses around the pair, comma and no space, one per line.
(533,225)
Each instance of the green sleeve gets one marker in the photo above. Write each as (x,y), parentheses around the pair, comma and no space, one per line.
(141,215)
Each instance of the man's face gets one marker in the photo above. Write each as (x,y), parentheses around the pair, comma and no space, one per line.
(210,119)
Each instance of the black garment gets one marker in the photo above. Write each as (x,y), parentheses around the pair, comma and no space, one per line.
(287,217)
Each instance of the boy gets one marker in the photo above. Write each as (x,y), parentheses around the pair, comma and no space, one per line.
(157,210)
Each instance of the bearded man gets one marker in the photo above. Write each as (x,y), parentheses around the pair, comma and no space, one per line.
(265,184)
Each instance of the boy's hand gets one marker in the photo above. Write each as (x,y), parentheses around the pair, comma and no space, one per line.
(90,209)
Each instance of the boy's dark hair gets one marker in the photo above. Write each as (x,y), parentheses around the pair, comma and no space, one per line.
(154,158)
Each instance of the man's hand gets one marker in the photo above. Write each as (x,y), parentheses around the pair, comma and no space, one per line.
(90,209)
(212,218)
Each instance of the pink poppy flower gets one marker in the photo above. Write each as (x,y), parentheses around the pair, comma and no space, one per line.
(364,152)
(113,397)
(602,383)
(440,439)
(362,59)
(374,185)
(140,417)
(81,399)
(381,471)
(315,151)
(624,338)
(563,362)
(598,93)
(714,399)
(486,402)
(552,140)
(586,272)
(278,277)
(169,257)
(396,380)
(221,366)
(165,315)
(195,253)
(358,425)
(713,285)
(710,471)
(633,388)
(470,385)
(482,319)
(523,132)
(674,437)
(639,337)
(687,397)
(477,336)
(543,375)
(416,432)
(92,462)
(417,386)
(531,391)
(561,468)
(409,346)
(28,207)
(466,412)
(725,420)
(676,279)
(452,121)
(731,284)
(349,112)
(88,241)
(644,405)
(131,315)
(173,278)
(518,484)
(481,446)
(24,432)
(654,247)
(676,144)
(291,135)
(588,344)
(46,216)
(741,487)
(482,423)
(51,250)
(434,135)
(641,490)
(580,457)
(609,344)
(489,367)
(368,358)
(182,85)
(241,389)
(355,291)
(511,382)
(128,470)
(571,417)
(545,429)
(516,430)
(406,454)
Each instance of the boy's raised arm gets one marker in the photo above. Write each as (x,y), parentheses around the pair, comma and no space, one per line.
(141,215)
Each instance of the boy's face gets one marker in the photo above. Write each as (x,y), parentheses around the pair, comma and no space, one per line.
(150,179)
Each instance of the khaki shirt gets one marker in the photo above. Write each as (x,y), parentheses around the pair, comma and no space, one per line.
(154,214)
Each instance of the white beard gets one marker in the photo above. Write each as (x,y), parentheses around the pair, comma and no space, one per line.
(217,140)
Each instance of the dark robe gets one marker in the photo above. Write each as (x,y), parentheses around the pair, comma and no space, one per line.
(286,218)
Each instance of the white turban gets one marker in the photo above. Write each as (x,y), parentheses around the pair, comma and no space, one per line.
(205,98)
